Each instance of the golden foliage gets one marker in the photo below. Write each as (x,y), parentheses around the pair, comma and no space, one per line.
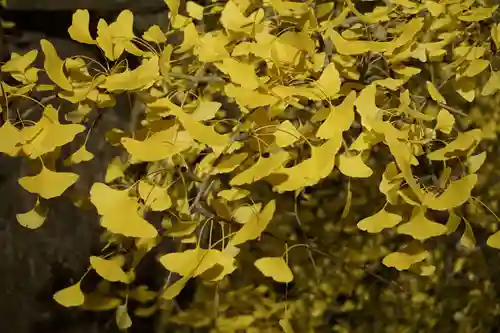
(277,99)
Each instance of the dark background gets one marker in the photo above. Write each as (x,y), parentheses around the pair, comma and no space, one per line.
(35,264)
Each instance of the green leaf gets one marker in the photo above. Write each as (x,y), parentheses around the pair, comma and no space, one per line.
(123,320)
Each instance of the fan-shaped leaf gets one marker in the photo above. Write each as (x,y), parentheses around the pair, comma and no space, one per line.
(276,268)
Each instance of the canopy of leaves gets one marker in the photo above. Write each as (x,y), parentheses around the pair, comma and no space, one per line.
(295,142)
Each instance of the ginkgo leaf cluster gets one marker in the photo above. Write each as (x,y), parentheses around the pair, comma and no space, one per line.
(253,123)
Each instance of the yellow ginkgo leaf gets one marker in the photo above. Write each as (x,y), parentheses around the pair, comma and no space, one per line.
(196,261)
(408,32)
(173,5)
(105,41)
(476,66)
(475,162)
(329,82)
(275,268)
(175,288)
(248,97)
(141,77)
(182,229)
(20,63)
(355,47)
(468,239)
(457,193)
(123,27)
(78,70)
(340,118)
(54,66)
(206,110)
(20,90)
(233,194)
(445,121)
(403,157)
(115,170)
(210,47)
(309,171)
(262,168)
(96,301)
(194,10)
(48,184)
(240,73)
(146,311)
(423,269)
(366,106)
(286,134)
(234,323)
(122,317)
(225,264)
(28,77)
(34,218)
(128,223)
(10,139)
(155,197)
(435,8)
(155,35)
(420,227)
(119,212)
(159,146)
(404,259)
(453,222)
(191,37)
(354,166)
(79,114)
(400,260)
(232,17)
(466,87)
(286,92)
(379,221)
(142,294)
(165,57)
(79,29)
(200,132)
(390,183)
(255,226)
(494,240)
(493,83)
(108,269)
(478,13)
(48,134)
(286,326)
(463,142)
(45,87)
(434,93)
(390,83)
(245,213)
(227,163)
(79,156)
(495,34)
(70,296)
(180,21)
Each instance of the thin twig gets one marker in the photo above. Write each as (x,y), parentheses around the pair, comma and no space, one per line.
(451,109)
(43,101)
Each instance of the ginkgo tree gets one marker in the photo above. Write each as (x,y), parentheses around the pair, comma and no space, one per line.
(252,115)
